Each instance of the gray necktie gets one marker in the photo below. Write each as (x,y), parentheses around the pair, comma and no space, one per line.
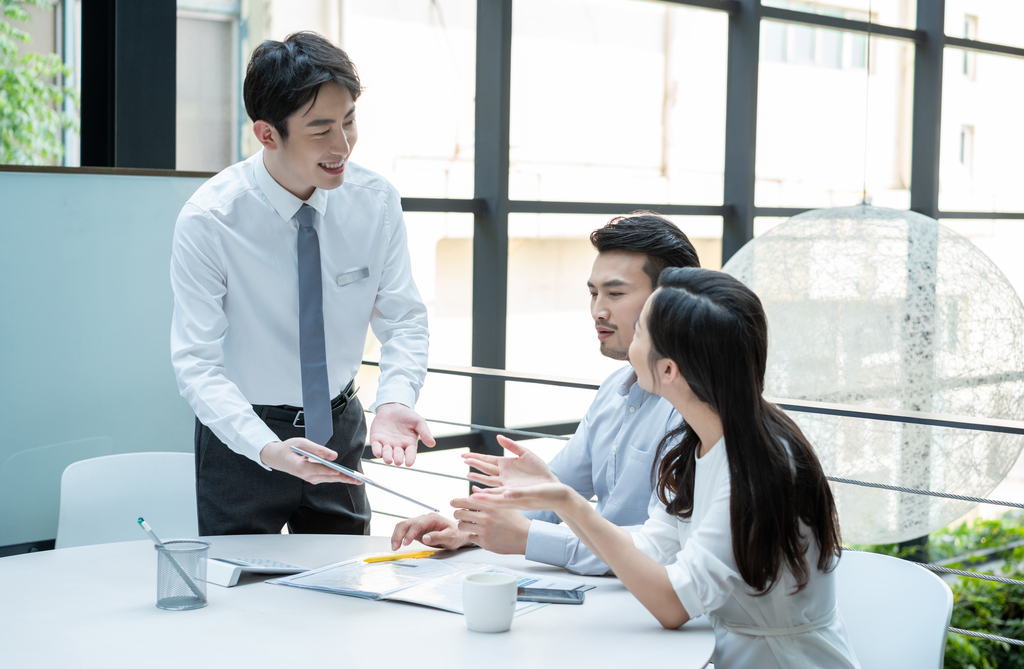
(316,391)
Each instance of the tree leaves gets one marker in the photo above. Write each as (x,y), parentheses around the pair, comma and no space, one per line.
(32,93)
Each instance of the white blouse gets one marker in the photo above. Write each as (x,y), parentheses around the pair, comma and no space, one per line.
(783,629)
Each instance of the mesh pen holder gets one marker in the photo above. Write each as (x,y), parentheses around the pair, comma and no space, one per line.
(178,560)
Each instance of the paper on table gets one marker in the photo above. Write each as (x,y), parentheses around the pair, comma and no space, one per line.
(374,580)
(446,592)
(430,582)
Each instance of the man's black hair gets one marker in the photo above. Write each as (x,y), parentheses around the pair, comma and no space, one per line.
(646,232)
(283,77)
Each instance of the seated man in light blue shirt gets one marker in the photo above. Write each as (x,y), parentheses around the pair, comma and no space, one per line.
(612,453)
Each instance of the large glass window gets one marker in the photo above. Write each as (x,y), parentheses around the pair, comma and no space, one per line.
(824,134)
(617,100)
(981,135)
(417,61)
(1000,240)
(32,86)
(896,13)
(206,116)
(996,21)
(818,47)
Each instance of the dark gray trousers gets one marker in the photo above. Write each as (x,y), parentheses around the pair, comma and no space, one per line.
(237,496)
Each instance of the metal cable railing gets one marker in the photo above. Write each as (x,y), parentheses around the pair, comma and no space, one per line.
(942,420)
(930,493)
(501,430)
(989,637)
(418,471)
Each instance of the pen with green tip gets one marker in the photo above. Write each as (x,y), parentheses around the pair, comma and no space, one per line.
(174,563)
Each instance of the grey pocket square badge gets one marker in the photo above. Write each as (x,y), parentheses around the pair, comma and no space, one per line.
(352,277)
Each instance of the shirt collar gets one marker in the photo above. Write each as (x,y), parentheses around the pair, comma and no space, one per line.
(284,202)
(628,383)
(630,387)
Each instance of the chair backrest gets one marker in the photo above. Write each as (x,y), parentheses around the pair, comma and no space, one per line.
(896,613)
(102,499)
(30,487)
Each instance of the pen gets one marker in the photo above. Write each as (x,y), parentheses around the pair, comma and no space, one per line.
(174,563)
(399,556)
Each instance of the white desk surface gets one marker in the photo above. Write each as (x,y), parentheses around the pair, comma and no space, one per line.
(95,606)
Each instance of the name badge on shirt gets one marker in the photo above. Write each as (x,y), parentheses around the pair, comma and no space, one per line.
(352,277)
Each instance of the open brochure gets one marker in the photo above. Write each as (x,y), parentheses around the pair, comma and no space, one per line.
(430,582)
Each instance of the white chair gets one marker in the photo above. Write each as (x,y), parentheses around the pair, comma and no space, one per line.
(896,613)
(30,487)
(102,499)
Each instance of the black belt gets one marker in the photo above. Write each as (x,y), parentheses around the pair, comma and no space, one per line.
(294,415)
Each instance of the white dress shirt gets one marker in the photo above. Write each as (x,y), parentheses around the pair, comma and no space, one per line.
(782,629)
(610,456)
(234,272)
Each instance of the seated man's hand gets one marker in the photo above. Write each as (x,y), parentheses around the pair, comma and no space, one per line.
(279,455)
(497,530)
(394,433)
(525,469)
(430,529)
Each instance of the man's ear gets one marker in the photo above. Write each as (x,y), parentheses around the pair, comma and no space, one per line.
(266,135)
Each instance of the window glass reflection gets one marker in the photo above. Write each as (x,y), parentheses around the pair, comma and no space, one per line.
(617,100)
(896,13)
(995,21)
(827,133)
(981,135)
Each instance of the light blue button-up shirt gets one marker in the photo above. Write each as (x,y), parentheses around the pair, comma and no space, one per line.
(611,456)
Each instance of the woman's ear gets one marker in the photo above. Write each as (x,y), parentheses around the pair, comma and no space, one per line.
(265,134)
(668,371)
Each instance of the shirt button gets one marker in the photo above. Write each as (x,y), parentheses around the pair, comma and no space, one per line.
(632,409)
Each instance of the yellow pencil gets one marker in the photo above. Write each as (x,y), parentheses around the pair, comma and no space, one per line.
(399,556)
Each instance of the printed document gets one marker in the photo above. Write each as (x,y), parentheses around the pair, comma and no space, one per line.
(425,581)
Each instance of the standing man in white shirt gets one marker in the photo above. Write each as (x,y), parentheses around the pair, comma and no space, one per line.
(612,453)
(236,335)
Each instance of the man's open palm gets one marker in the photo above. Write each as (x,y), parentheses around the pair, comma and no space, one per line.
(394,433)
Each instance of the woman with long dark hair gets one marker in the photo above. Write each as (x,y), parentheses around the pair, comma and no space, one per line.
(747,530)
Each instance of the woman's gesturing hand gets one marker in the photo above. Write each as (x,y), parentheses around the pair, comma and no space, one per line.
(525,469)
(543,497)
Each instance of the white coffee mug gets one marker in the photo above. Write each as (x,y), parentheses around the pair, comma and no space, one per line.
(489,601)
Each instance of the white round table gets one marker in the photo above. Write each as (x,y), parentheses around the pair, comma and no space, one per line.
(95,606)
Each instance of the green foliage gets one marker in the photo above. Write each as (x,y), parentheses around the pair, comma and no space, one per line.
(31,95)
(993,608)
(978,535)
(985,606)
(892,550)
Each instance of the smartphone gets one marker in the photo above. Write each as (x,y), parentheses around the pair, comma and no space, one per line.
(550,596)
